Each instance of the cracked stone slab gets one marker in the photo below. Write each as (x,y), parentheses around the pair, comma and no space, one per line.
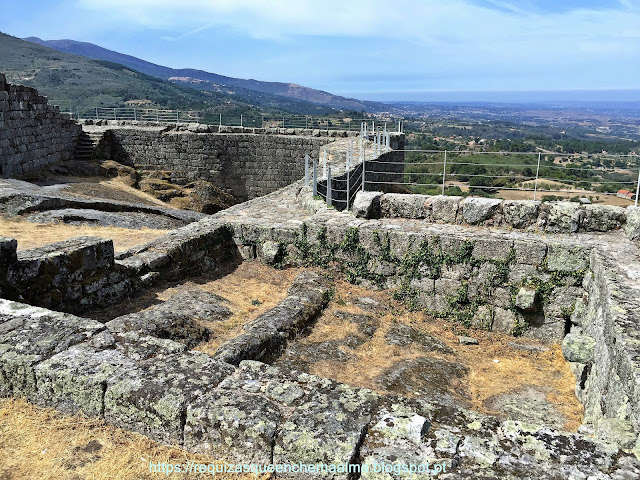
(76,379)
(328,427)
(153,399)
(232,424)
(29,335)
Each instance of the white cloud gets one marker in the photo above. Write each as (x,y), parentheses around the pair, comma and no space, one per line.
(455,37)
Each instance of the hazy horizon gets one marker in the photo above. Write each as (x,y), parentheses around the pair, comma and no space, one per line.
(560,97)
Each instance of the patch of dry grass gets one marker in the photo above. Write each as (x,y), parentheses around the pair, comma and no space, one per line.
(252,289)
(32,235)
(515,368)
(42,444)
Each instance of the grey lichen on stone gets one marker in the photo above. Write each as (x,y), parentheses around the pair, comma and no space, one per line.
(603,218)
(632,225)
(153,399)
(76,379)
(526,299)
(578,348)
(566,258)
(327,428)
(520,213)
(477,210)
(232,424)
(561,217)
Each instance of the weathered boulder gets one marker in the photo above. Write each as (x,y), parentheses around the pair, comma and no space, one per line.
(444,209)
(529,404)
(153,399)
(367,324)
(367,204)
(477,210)
(430,378)
(561,217)
(578,348)
(602,218)
(179,318)
(520,213)
(403,205)
(405,335)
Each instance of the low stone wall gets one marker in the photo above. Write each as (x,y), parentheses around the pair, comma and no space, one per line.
(266,337)
(552,217)
(246,165)
(33,134)
(604,346)
(82,274)
(71,276)
(516,283)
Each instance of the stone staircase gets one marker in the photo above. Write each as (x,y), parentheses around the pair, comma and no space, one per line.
(86,145)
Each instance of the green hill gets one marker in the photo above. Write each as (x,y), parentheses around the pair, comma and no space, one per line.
(85,83)
(202,80)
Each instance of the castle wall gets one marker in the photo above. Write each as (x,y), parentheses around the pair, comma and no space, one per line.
(33,134)
(245,165)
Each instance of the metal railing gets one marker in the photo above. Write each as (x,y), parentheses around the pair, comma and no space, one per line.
(438,172)
(338,185)
(168,116)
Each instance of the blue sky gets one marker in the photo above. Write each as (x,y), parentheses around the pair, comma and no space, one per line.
(375,49)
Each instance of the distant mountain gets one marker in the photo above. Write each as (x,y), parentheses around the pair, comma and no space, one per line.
(202,80)
(82,83)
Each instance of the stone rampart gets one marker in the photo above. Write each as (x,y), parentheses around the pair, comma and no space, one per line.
(33,134)
(246,165)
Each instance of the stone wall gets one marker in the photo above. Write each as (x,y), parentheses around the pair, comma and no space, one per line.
(246,165)
(604,347)
(72,275)
(82,274)
(509,283)
(386,168)
(550,217)
(32,133)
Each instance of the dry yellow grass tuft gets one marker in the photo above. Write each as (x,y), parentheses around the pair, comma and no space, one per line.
(42,444)
(32,235)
